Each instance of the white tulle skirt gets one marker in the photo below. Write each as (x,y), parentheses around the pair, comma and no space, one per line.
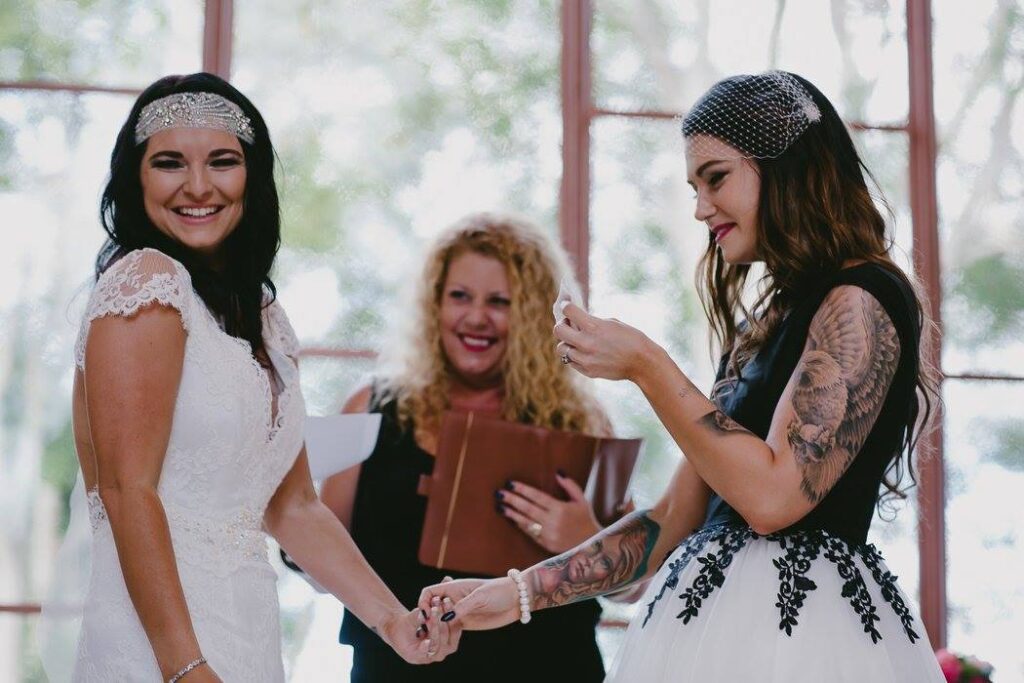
(729,605)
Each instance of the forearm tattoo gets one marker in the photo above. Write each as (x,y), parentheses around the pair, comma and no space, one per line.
(613,559)
(842,380)
(720,423)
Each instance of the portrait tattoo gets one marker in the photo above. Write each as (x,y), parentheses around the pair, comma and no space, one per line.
(841,383)
(615,558)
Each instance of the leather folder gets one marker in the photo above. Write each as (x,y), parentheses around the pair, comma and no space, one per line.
(476,455)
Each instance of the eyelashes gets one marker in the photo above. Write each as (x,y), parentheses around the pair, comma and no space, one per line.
(715,181)
(174,164)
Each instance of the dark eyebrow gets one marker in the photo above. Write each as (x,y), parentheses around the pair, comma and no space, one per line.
(703,167)
(167,153)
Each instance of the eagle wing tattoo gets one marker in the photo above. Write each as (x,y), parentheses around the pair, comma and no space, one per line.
(842,380)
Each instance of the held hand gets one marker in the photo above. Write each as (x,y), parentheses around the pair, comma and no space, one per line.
(419,640)
(478,604)
(553,524)
(599,347)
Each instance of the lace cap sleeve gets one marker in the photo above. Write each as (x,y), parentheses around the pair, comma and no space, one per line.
(278,331)
(139,279)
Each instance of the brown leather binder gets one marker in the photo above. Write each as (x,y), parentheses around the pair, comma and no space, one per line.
(476,455)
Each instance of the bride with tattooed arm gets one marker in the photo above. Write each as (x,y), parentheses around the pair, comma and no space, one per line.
(757,549)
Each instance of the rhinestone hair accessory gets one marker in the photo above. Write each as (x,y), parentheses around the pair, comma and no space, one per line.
(760,115)
(193,110)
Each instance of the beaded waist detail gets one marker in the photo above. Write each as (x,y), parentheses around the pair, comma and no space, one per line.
(217,541)
(227,541)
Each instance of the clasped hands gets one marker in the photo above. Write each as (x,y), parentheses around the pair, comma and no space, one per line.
(422,636)
(432,631)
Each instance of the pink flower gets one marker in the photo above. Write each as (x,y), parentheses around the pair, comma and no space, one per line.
(950,665)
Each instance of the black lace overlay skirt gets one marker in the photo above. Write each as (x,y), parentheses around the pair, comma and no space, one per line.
(731,605)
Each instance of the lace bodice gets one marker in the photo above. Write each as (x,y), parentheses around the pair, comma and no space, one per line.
(228,452)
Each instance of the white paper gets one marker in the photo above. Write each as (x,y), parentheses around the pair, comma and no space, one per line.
(568,293)
(338,442)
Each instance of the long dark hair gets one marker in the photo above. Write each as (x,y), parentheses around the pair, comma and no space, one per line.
(236,293)
(815,212)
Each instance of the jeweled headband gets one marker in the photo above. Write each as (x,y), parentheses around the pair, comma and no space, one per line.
(193,110)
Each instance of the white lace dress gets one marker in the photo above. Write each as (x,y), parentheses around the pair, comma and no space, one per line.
(226,456)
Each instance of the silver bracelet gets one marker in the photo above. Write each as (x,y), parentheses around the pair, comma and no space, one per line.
(186,669)
(524,597)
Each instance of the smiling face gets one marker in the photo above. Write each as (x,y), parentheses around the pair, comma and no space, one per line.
(474,318)
(728,189)
(193,186)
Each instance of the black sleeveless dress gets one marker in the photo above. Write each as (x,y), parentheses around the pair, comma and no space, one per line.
(813,602)
(557,644)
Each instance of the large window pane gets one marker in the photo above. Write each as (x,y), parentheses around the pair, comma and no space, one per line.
(662,54)
(447,109)
(981,183)
(985,522)
(54,149)
(107,42)
(887,154)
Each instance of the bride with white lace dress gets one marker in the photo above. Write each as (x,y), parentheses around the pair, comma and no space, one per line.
(188,415)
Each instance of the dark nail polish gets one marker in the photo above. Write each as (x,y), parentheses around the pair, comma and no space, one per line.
(421,631)
(426,617)
(500,495)
(509,486)
(499,507)
(560,472)
(448,616)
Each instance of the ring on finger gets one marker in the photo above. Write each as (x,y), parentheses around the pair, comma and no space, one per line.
(534,529)
(565,359)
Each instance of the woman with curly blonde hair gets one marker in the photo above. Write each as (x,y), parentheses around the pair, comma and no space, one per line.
(479,338)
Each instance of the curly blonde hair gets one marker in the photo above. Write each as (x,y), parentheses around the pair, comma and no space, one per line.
(538,389)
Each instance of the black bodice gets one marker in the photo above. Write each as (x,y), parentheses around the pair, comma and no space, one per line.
(751,400)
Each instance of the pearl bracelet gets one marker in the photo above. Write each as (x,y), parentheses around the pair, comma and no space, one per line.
(186,669)
(524,597)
